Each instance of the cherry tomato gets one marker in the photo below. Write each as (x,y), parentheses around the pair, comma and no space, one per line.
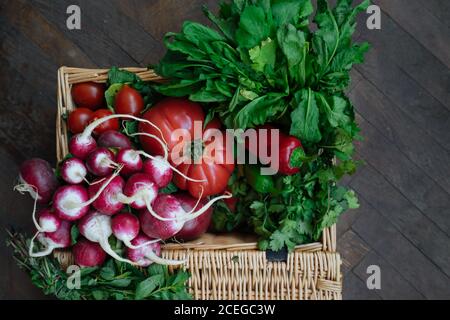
(128,101)
(89,95)
(112,124)
(79,119)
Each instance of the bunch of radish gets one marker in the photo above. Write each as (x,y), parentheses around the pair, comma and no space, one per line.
(102,178)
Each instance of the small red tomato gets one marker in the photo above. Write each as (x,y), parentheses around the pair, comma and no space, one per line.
(79,119)
(112,124)
(89,95)
(128,101)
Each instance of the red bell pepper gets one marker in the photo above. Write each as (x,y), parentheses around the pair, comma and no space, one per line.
(287,144)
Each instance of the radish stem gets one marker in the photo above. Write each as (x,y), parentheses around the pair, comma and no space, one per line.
(154,257)
(143,153)
(44,253)
(131,246)
(189,215)
(164,146)
(90,128)
(105,246)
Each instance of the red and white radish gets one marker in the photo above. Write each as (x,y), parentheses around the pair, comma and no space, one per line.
(107,198)
(38,179)
(188,215)
(96,227)
(100,162)
(113,139)
(147,252)
(48,221)
(61,238)
(168,221)
(140,191)
(67,200)
(194,228)
(80,145)
(88,254)
(73,171)
(130,160)
(159,170)
(71,202)
(125,227)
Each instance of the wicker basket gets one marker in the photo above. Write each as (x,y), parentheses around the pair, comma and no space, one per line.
(227,266)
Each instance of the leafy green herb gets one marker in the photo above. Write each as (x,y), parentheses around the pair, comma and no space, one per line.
(115,280)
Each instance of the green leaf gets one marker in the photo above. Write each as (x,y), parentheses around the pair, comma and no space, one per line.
(116,75)
(299,157)
(254,27)
(199,34)
(155,269)
(99,295)
(291,11)
(260,111)
(305,117)
(263,55)
(326,38)
(107,273)
(294,46)
(74,234)
(352,199)
(110,94)
(170,188)
(120,283)
(334,108)
(145,288)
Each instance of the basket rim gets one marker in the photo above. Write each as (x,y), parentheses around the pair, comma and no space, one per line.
(68,76)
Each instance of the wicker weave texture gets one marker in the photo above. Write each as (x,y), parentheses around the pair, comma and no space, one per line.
(226,267)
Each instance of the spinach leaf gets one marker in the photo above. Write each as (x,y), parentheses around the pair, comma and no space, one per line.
(254,27)
(305,117)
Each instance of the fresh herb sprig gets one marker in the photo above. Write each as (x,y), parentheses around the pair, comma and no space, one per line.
(114,280)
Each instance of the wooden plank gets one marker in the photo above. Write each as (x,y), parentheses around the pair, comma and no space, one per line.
(153,17)
(27,113)
(22,55)
(393,42)
(119,28)
(409,180)
(91,39)
(396,125)
(51,41)
(415,226)
(393,285)
(380,234)
(431,115)
(352,249)
(356,289)
(427,29)
(440,9)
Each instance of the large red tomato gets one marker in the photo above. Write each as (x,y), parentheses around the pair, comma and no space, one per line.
(209,165)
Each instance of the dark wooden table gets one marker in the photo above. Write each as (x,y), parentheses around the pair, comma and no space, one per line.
(402,95)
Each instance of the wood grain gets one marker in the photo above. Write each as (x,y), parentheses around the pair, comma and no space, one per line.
(401,93)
